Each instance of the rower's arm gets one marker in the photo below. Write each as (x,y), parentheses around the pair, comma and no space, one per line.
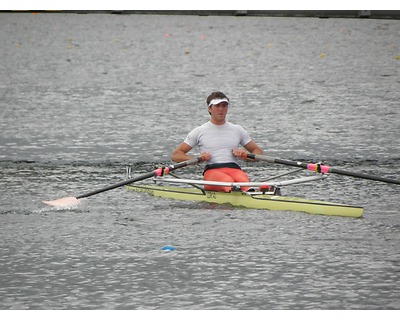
(253,148)
(180,153)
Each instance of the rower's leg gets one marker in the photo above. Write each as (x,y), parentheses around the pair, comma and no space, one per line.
(217,175)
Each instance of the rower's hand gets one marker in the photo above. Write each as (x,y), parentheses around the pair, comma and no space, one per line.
(240,153)
(205,156)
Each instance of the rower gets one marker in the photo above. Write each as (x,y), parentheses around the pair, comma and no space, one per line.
(220,143)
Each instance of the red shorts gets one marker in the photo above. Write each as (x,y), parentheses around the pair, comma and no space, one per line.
(225,175)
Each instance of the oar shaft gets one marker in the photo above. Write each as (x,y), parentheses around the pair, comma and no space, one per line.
(321,168)
(117,185)
(157,172)
(364,176)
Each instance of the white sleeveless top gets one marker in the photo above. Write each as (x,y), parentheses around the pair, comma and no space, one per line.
(218,140)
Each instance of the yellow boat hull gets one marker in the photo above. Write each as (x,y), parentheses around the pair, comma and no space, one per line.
(253,201)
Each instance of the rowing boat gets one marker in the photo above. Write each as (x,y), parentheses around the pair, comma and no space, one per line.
(265,195)
(256,198)
(251,200)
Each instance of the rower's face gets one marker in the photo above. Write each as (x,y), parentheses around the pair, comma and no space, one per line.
(219,111)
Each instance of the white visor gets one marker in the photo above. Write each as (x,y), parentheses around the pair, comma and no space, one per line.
(219,100)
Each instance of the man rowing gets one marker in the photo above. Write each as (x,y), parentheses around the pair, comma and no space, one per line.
(220,143)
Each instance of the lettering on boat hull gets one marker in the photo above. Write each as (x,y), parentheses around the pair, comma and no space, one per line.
(211,195)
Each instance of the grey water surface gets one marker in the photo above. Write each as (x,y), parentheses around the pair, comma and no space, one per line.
(83,96)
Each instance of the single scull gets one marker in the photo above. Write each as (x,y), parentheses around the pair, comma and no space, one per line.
(257,197)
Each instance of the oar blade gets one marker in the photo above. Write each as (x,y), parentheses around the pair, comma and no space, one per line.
(63,202)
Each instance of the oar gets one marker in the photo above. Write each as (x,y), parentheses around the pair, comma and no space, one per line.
(321,168)
(72,201)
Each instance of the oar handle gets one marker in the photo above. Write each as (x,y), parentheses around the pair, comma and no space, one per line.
(321,168)
(155,173)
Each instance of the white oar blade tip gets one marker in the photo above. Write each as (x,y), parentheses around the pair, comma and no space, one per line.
(63,202)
